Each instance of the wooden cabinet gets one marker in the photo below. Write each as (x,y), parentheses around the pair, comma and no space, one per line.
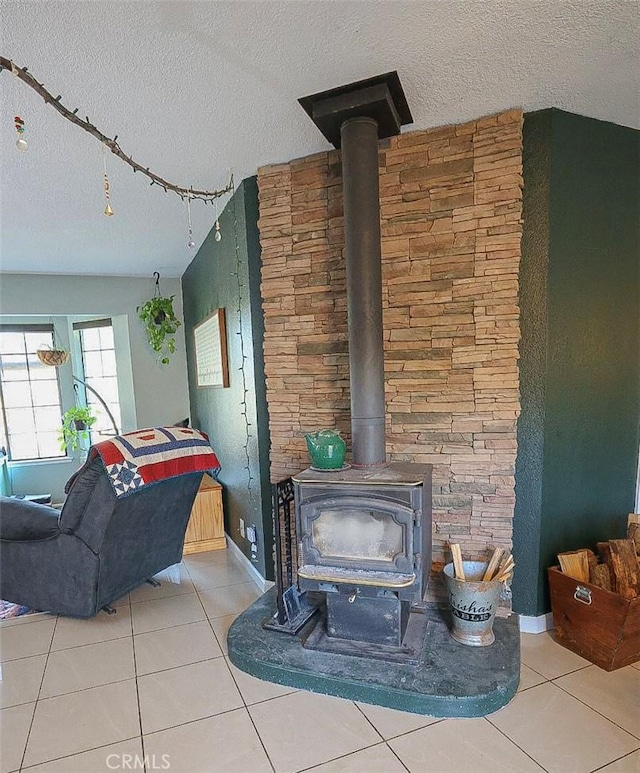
(205,530)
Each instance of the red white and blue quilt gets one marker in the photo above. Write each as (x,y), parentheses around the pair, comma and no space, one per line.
(146,456)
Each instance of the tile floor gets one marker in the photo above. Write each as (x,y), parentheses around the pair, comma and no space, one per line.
(153,684)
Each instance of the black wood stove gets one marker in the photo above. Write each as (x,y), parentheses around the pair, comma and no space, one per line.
(365,541)
(364,534)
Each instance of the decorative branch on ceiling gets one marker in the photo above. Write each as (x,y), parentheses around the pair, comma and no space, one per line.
(185,193)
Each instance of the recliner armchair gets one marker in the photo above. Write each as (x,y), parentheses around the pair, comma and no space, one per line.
(98,548)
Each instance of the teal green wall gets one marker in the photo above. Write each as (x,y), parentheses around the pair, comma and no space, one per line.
(211,282)
(578,434)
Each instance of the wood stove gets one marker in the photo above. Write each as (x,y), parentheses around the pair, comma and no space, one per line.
(364,533)
(365,541)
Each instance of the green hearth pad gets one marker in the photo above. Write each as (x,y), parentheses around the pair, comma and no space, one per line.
(449,680)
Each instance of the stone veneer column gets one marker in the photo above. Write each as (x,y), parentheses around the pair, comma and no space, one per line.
(451,227)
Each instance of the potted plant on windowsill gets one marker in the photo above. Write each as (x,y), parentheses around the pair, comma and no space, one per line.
(161,324)
(76,423)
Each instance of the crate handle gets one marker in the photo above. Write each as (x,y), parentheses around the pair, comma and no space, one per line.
(582,594)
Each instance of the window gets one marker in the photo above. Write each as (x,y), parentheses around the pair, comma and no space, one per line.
(29,394)
(98,353)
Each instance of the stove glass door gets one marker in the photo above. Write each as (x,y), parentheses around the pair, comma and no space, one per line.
(357,534)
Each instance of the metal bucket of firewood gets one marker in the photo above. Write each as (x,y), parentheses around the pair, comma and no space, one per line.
(474,589)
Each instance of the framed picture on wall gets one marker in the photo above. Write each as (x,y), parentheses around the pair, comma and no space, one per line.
(210,338)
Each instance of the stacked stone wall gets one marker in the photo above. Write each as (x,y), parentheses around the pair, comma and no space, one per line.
(451,219)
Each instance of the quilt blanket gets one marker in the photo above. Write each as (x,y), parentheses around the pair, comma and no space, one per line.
(147,456)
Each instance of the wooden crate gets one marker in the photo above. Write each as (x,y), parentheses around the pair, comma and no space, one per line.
(205,530)
(597,624)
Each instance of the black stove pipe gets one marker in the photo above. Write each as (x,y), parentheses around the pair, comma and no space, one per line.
(359,143)
(354,117)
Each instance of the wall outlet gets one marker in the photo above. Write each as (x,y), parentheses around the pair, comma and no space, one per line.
(252,534)
(242,532)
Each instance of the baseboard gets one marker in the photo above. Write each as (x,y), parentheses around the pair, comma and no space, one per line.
(539,624)
(259,580)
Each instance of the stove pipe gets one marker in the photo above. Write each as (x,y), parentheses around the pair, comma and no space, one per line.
(359,141)
(355,117)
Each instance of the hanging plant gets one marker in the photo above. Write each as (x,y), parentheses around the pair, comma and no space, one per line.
(161,324)
(53,357)
(76,423)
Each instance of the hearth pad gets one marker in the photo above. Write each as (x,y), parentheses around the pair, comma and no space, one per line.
(449,679)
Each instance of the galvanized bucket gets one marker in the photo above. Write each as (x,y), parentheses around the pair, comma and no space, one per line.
(473,604)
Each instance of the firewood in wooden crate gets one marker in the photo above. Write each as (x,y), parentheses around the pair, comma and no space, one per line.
(592,559)
(599,575)
(576,564)
(625,566)
(633,529)
(605,555)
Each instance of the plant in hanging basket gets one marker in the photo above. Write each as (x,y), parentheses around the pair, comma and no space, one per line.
(76,423)
(53,357)
(161,324)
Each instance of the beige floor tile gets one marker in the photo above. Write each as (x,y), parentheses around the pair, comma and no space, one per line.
(255,690)
(126,755)
(22,641)
(628,764)
(529,678)
(390,722)
(69,724)
(541,653)
(20,680)
(208,558)
(226,743)
(456,745)
(228,600)
(174,581)
(71,632)
(187,693)
(221,627)
(173,647)
(26,619)
(615,694)
(164,613)
(91,665)
(201,565)
(375,759)
(14,729)
(215,575)
(303,729)
(560,733)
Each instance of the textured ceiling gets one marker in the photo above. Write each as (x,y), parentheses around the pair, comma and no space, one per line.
(194,89)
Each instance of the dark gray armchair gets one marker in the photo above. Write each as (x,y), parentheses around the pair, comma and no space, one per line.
(96,549)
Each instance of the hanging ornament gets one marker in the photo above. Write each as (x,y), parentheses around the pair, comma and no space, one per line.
(190,244)
(107,187)
(217,235)
(21,143)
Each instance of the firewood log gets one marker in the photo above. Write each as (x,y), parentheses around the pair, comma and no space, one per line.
(599,576)
(625,566)
(605,555)
(633,530)
(576,564)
